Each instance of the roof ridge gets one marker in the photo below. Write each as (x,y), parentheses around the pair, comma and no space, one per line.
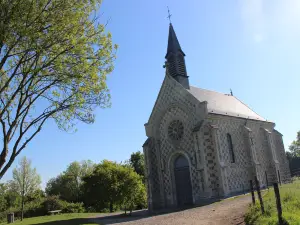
(212,91)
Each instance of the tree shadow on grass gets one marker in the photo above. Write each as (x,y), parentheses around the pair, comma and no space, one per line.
(101,219)
(116,218)
(121,217)
(75,221)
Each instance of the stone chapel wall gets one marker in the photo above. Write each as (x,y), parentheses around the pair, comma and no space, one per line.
(238,174)
(152,176)
(211,167)
(284,168)
(267,171)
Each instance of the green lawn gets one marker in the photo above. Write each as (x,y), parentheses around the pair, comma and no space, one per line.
(290,200)
(62,219)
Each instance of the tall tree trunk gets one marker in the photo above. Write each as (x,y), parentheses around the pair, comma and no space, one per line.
(23,192)
(130,209)
(22,208)
(111,206)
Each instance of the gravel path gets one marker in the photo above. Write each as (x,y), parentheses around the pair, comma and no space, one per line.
(230,211)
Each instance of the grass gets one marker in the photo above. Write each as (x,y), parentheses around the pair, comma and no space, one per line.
(62,219)
(290,202)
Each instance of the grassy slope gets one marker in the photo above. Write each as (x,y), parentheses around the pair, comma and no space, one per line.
(62,219)
(290,200)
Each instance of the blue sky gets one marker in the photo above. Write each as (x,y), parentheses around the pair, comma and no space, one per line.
(250,46)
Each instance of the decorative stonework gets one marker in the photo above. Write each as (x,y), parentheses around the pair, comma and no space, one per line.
(172,125)
(175,130)
(281,156)
(211,163)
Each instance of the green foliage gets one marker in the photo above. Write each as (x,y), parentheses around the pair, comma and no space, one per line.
(134,192)
(293,156)
(137,161)
(65,219)
(295,146)
(25,179)
(54,60)
(102,188)
(54,186)
(3,200)
(70,207)
(35,195)
(13,198)
(33,208)
(41,207)
(52,203)
(24,188)
(290,200)
(112,185)
(68,185)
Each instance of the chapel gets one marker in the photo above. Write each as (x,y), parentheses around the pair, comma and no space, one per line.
(204,145)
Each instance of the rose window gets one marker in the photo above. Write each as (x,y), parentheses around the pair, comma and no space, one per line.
(175,130)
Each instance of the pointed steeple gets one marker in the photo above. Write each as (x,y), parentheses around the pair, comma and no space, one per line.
(173,43)
(175,60)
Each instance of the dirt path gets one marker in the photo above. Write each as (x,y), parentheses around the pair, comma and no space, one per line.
(230,211)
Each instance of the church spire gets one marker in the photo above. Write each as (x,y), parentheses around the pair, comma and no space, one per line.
(175,60)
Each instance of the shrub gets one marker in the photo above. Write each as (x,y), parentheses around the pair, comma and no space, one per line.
(72,207)
(3,216)
(42,206)
(33,208)
(90,209)
(252,214)
(53,203)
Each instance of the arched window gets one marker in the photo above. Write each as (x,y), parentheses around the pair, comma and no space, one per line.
(230,146)
(181,162)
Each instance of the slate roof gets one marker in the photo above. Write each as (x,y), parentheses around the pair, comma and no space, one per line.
(224,104)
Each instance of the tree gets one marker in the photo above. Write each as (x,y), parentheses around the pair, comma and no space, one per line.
(54,60)
(134,191)
(137,161)
(102,188)
(13,198)
(25,181)
(74,174)
(68,185)
(3,201)
(112,184)
(295,146)
(35,195)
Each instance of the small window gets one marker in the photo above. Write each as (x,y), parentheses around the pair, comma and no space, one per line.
(230,146)
(252,143)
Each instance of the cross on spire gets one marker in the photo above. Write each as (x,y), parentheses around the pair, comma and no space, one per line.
(169,15)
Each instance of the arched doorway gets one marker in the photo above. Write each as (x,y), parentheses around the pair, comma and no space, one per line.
(183,181)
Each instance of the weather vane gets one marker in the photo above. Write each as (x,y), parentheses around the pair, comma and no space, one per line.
(170,15)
